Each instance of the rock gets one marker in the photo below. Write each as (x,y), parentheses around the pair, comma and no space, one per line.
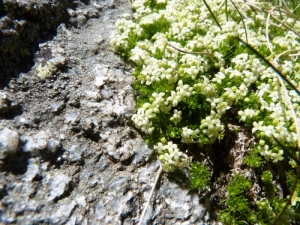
(98,39)
(100,211)
(81,201)
(41,143)
(59,184)
(142,154)
(107,93)
(92,95)
(111,4)
(119,184)
(182,205)
(101,75)
(74,154)
(3,100)
(3,192)
(71,117)
(19,31)
(71,12)
(50,67)
(32,205)
(81,20)
(63,213)
(91,127)
(7,102)
(22,121)
(92,13)
(102,164)
(33,172)
(57,107)
(77,219)
(9,142)
(110,150)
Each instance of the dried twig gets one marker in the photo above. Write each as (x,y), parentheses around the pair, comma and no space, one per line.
(151,193)
(188,52)
(267,30)
(285,52)
(287,97)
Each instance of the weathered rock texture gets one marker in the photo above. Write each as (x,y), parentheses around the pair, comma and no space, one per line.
(74,157)
(23,24)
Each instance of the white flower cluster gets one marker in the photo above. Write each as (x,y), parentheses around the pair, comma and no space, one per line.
(268,153)
(212,126)
(142,118)
(277,129)
(192,65)
(189,135)
(177,116)
(124,28)
(171,157)
(221,83)
(206,87)
(182,92)
(247,114)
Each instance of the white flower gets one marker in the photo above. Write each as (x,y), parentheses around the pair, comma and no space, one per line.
(221,81)
(206,87)
(183,90)
(177,116)
(171,157)
(189,135)
(219,77)
(247,113)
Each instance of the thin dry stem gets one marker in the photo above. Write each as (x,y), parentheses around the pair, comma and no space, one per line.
(150,196)
(188,52)
(280,9)
(288,99)
(267,31)
(285,52)
(298,54)
(290,105)
(241,10)
(254,3)
(283,24)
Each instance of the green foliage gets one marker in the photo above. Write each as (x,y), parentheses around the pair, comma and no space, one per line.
(199,176)
(292,5)
(238,210)
(253,160)
(195,71)
(158,26)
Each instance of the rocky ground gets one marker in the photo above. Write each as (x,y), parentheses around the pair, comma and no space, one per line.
(68,152)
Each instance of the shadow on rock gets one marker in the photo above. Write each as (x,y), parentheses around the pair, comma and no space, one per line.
(23,25)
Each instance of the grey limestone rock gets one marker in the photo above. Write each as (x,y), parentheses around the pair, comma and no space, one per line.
(57,107)
(59,184)
(42,143)
(19,32)
(61,216)
(8,103)
(9,142)
(23,121)
(142,153)
(101,75)
(74,154)
(33,172)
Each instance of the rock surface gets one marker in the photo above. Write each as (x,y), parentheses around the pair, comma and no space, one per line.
(9,142)
(76,160)
(22,25)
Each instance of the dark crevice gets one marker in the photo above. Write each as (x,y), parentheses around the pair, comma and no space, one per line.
(16,164)
(22,27)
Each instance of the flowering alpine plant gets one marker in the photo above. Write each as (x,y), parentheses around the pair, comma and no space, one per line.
(194,73)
